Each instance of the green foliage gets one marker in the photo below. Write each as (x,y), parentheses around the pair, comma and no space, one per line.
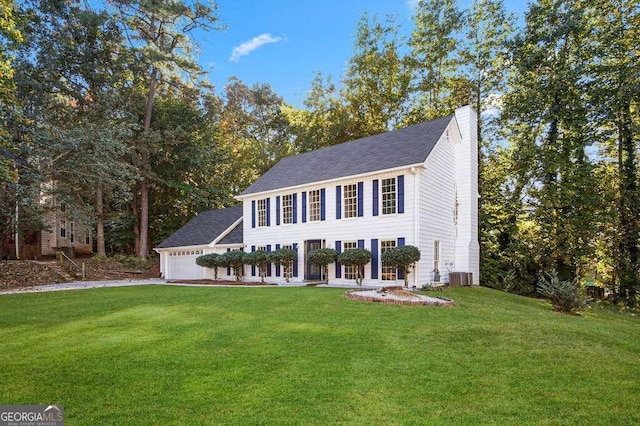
(358,258)
(285,258)
(566,296)
(259,258)
(403,258)
(323,257)
(212,261)
(236,260)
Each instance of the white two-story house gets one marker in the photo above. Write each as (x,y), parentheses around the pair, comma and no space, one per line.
(414,186)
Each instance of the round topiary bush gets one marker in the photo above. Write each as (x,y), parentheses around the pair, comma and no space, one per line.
(357,257)
(403,258)
(323,257)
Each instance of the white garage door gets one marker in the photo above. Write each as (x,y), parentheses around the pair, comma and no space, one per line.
(182,266)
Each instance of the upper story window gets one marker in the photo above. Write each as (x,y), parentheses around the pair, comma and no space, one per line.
(262,212)
(388,272)
(314,205)
(389,196)
(287,208)
(351,200)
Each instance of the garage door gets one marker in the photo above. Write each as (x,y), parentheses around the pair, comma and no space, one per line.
(182,266)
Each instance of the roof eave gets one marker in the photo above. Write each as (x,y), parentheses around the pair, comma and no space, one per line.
(328,181)
(197,246)
(226,232)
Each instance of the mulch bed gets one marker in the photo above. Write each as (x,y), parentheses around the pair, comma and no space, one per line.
(220,282)
(21,274)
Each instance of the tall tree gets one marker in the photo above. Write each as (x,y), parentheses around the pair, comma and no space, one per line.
(483,59)
(74,74)
(324,121)
(9,34)
(615,100)
(434,45)
(376,85)
(548,122)
(161,31)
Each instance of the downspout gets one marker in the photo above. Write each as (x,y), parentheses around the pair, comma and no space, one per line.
(17,233)
(416,217)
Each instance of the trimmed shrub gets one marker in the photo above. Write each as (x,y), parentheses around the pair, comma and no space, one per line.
(211,260)
(234,259)
(260,259)
(323,257)
(357,257)
(285,258)
(566,296)
(403,258)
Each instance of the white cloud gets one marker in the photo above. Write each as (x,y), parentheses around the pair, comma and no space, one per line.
(249,46)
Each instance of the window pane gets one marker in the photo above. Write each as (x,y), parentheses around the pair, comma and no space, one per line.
(350,200)
(350,271)
(262,212)
(389,196)
(314,205)
(287,208)
(388,272)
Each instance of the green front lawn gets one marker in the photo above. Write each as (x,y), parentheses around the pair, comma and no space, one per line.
(187,355)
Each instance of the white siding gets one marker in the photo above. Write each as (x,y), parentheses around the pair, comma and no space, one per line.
(467,246)
(367,227)
(437,204)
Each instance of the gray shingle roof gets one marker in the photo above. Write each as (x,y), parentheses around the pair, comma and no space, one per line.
(206,227)
(397,148)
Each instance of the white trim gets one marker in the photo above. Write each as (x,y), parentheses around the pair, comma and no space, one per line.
(180,248)
(329,181)
(226,232)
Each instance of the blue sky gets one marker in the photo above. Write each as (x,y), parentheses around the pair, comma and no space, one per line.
(285,42)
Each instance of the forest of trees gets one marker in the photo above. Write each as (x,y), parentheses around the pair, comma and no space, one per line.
(105,103)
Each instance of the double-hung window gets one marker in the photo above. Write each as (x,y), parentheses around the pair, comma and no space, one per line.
(288,269)
(350,200)
(314,205)
(350,271)
(389,196)
(287,208)
(262,212)
(388,272)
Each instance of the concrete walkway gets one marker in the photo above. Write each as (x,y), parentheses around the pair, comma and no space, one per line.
(81,285)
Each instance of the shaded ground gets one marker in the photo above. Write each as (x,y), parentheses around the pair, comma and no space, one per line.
(16,274)
(21,273)
(219,282)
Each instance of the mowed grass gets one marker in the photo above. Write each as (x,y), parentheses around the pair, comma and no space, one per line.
(188,355)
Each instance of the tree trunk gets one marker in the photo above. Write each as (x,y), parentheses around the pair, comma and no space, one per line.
(136,220)
(100,223)
(143,250)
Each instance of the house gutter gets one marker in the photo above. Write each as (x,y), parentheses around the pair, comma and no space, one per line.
(17,234)
(328,181)
(416,217)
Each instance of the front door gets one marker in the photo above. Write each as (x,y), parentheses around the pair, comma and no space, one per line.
(313,271)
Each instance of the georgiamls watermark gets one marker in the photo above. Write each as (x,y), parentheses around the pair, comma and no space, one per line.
(31,415)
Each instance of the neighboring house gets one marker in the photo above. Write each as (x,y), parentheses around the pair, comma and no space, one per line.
(414,186)
(62,230)
(213,231)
